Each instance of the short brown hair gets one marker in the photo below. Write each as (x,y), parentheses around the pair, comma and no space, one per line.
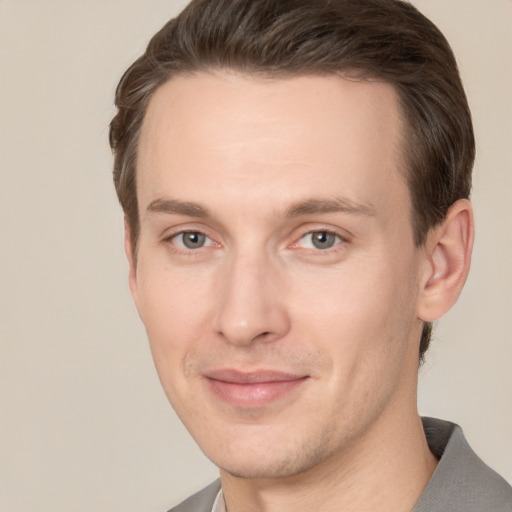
(387,40)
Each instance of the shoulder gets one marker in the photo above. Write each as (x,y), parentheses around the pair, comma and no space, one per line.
(462,481)
(201,501)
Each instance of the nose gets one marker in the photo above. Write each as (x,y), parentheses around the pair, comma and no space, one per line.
(251,303)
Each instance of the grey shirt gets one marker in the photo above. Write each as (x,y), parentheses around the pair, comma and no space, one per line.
(460,483)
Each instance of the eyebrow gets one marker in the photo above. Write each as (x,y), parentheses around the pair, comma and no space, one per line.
(329,205)
(173,206)
(306,207)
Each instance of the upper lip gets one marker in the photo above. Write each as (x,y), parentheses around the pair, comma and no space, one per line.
(252,377)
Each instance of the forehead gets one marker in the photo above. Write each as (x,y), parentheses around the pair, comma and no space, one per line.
(222,133)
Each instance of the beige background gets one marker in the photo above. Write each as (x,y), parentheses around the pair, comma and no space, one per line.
(84,425)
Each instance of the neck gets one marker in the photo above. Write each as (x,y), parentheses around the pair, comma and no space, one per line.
(386,471)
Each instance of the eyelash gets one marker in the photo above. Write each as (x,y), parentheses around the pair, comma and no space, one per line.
(339,241)
(180,249)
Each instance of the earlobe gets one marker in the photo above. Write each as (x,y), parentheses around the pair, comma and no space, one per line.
(447,260)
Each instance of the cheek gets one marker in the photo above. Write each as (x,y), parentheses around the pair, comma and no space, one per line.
(174,318)
(352,298)
(359,314)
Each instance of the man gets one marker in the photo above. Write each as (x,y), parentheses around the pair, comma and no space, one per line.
(295,178)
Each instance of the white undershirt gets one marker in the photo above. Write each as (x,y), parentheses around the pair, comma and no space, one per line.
(218,504)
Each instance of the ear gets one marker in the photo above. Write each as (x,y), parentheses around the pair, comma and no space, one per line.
(129,250)
(446,261)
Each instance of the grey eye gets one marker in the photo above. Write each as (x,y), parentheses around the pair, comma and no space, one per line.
(323,239)
(192,239)
(320,240)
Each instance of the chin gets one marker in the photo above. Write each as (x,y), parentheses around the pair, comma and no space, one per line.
(270,460)
(248,469)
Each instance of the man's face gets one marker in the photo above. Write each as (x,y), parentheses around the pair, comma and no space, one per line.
(276,274)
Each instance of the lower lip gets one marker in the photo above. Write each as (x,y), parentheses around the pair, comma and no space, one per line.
(253,395)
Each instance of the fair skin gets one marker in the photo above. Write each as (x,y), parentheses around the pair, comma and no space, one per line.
(281,290)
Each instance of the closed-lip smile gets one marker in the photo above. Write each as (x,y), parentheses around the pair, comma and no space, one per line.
(252,389)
